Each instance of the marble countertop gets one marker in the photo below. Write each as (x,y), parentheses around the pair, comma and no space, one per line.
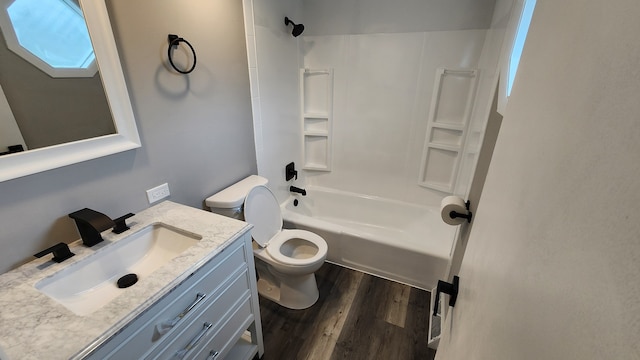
(34,326)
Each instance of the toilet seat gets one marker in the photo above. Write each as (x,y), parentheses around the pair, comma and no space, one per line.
(261,209)
(274,248)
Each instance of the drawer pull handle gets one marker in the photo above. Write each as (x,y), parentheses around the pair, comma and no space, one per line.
(213,355)
(196,339)
(164,327)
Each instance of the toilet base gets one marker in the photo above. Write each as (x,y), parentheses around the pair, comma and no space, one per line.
(298,292)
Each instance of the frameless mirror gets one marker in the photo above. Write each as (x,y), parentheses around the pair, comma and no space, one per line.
(119,133)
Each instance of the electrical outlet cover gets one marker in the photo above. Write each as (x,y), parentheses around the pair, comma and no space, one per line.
(158,193)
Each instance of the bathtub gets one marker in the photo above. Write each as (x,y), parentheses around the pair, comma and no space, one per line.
(395,240)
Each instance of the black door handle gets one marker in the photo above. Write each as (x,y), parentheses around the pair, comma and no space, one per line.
(449,289)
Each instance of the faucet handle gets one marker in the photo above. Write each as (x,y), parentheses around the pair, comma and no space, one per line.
(120,223)
(60,252)
(290,171)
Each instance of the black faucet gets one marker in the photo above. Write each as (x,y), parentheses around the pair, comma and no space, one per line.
(298,190)
(91,223)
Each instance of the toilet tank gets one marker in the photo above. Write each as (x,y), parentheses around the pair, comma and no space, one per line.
(229,201)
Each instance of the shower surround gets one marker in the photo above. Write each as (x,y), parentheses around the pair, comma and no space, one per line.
(383,60)
(382,91)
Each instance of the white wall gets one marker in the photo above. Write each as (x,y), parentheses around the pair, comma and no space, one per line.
(273,63)
(551,269)
(341,17)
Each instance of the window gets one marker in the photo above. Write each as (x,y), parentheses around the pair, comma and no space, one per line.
(515,37)
(51,35)
(518,44)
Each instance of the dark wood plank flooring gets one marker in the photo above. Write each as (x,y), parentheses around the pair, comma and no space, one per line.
(358,316)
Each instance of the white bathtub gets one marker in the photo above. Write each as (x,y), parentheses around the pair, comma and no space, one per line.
(391,239)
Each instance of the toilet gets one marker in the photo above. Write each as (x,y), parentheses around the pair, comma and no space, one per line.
(286,260)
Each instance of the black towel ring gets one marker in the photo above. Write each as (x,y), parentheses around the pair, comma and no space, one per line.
(175,40)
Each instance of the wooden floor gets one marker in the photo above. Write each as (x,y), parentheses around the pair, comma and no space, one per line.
(358,316)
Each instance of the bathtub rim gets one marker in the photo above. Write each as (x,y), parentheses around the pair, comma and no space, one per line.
(312,188)
(290,215)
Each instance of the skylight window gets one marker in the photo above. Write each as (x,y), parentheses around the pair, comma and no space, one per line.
(518,45)
(50,34)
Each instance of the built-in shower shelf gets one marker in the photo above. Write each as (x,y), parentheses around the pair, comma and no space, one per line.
(450,111)
(316,133)
(451,125)
(446,147)
(316,167)
(316,124)
(316,115)
(316,89)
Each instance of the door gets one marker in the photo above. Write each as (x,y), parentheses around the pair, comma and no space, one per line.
(552,266)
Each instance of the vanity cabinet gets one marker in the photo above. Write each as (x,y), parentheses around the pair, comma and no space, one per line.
(213,314)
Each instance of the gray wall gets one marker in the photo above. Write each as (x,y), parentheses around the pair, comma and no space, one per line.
(52,111)
(196,130)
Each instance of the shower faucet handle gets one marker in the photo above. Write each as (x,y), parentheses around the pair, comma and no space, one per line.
(290,171)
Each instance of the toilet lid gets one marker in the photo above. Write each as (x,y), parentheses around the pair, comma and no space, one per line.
(261,209)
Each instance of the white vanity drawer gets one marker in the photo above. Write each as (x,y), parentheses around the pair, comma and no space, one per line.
(227,336)
(232,303)
(212,279)
(211,285)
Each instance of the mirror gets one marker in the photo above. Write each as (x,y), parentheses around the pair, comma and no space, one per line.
(126,136)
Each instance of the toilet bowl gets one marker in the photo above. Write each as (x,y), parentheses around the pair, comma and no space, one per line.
(286,260)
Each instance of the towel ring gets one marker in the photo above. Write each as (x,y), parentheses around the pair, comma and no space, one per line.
(175,40)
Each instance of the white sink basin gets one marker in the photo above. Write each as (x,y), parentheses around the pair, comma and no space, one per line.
(91,283)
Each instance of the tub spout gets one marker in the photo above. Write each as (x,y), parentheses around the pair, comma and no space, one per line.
(298,190)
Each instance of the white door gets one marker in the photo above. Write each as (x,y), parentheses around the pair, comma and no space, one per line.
(552,267)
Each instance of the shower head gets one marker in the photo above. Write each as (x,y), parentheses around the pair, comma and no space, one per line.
(297,29)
